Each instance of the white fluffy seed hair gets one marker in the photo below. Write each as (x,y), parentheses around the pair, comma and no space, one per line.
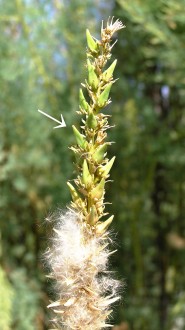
(78,262)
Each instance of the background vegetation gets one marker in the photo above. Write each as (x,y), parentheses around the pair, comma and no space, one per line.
(42,53)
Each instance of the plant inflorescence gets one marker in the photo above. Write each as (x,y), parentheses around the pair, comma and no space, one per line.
(79,254)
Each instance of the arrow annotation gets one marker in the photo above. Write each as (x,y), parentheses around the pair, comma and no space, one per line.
(62,122)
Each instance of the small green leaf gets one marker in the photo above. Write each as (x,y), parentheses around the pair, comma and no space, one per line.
(79,138)
(73,192)
(98,155)
(86,176)
(97,192)
(83,103)
(101,227)
(104,170)
(93,216)
(102,99)
(92,44)
(92,77)
(91,121)
(107,74)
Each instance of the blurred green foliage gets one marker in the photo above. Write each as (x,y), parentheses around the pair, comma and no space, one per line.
(26,312)
(149,185)
(42,49)
(5,301)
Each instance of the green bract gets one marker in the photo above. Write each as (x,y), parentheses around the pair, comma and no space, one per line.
(102,100)
(91,120)
(98,155)
(83,103)
(92,77)
(86,176)
(107,74)
(79,138)
(90,41)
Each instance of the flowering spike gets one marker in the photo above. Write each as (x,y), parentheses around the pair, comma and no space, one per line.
(79,256)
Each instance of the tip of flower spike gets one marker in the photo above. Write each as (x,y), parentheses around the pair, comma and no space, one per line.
(112,27)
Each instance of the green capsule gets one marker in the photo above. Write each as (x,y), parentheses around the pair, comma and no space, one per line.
(98,155)
(97,192)
(102,99)
(86,176)
(91,121)
(107,74)
(74,194)
(104,170)
(83,103)
(79,138)
(92,77)
(92,44)
(93,216)
(101,227)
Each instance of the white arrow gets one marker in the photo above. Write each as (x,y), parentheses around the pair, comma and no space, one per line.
(62,122)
